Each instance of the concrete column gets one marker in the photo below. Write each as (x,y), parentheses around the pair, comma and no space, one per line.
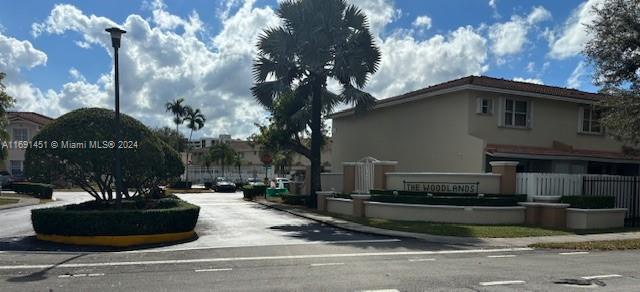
(322,199)
(507,171)
(358,204)
(348,177)
(379,170)
(306,187)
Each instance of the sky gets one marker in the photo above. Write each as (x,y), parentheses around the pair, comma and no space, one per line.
(58,57)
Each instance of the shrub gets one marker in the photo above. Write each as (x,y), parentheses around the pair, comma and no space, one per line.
(181,185)
(38,190)
(87,219)
(454,201)
(294,199)
(145,164)
(588,202)
(342,196)
(208,185)
(249,192)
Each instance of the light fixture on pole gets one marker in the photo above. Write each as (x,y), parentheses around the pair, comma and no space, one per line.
(116,35)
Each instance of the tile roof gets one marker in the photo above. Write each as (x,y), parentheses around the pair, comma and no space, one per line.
(498,83)
(530,150)
(30,116)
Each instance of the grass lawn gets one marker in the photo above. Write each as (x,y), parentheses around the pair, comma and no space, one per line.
(5,201)
(593,245)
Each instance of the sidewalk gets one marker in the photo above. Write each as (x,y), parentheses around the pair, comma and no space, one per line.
(476,241)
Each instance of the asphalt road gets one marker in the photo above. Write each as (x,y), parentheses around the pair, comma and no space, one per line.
(246,247)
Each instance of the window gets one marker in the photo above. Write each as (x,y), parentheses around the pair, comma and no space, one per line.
(589,121)
(16,167)
(516,113)
(484,106)
(20,134)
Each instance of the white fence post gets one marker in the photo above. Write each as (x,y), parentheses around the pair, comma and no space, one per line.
(364,172)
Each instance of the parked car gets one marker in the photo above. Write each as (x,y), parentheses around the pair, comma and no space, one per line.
(254,181)
(5,179)
(222,184)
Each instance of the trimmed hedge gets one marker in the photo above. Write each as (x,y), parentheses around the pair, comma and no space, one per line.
(342,196)
(181,185)
(208,185)
(85,219)
(588,202)
(38,190)
(294,199)
(505,201)
(249,192)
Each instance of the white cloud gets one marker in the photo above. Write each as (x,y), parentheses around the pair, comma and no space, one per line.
(16,55)
(422,21)
(528,80)
(575,80)
(510,37)
(422,63)
(572,37)
(163,58)
(530,67)
(379,13)
(494,6)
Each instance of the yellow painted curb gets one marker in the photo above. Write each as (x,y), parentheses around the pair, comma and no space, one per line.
(118,240)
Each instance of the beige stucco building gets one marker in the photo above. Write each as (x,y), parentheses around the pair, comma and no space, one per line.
(21,128)
(462,125)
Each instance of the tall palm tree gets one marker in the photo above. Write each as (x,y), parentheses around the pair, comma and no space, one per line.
(179,111)
(195,121)
(223,154)
(6,101)
(317,41)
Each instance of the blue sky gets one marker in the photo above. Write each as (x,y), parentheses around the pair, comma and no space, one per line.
(57,57)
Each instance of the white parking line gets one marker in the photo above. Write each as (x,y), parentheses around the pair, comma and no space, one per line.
(80,275)
(574,253)
(422,260)
(213,270)
(260,245)
(262,258)
(502,256)
(601,276)
(495,283)
(326,264)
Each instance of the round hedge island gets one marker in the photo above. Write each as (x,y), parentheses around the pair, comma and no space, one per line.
(142,215)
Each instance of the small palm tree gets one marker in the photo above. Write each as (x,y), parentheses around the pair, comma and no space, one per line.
(223,154)
(195,121)
(237,161)
(178,110)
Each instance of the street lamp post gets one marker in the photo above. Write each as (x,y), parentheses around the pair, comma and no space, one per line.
(116,35)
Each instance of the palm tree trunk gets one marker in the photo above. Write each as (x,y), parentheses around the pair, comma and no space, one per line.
(177,140)
(188,152)
(316,140)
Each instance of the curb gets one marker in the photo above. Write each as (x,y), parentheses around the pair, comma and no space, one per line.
(355,227)
(21,203)
(118,240)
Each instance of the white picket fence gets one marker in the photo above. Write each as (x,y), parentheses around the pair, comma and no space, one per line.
(560,184)
(364,171)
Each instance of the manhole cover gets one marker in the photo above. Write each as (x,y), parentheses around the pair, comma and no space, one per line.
(581,282)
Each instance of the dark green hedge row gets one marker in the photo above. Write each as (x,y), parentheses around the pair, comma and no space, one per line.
(423,194)
(249,192)
(181,185)
(170,216)
(294,199)
(38,190)
(208,185)
(588,202)
(454,201)
(342,196)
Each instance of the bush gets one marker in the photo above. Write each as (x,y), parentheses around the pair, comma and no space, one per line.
(342,196)
(181,185)
(38,190)
(588,202)
(146,160)
(249,192)
(208,185)
(294,199)
(87,219)
(454,201)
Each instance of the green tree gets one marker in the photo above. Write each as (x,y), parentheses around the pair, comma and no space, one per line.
(614,50)
(237,161)
(179,111)
(172,137)
(6,101)
(223,154)
(146,164)
(317,41)
(195,121)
